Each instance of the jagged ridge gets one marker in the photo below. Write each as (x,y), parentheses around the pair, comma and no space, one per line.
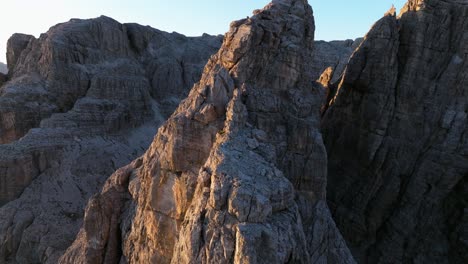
(238,173)
(81,101)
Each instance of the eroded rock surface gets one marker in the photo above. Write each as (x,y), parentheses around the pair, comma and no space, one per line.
(238,172)
(74,60)
(334,54)
(396,135)
(81,101)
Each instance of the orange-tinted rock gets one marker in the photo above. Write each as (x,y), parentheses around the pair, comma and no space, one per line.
(80,102)
(238,172)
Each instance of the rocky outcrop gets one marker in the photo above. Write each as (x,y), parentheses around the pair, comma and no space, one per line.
(81,101)
(396,135)
(75,59)
(334,54)
(15,46)
(238,172)
(70,79)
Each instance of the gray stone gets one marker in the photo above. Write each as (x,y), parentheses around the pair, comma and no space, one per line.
(200,194)
(15,47)
(334,54)
(396,135)
(80,102)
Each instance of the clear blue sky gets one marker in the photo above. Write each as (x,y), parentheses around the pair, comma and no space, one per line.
(335,19)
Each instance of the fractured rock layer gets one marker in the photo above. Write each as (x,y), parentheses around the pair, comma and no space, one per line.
(238,173)
(81,101)
(396,135)
(334,54)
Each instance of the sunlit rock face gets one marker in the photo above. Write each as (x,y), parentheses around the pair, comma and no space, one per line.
(81,101)
(87,58)
(397,141)
(238,172)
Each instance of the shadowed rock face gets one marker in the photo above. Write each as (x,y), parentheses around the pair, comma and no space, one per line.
(238,172)
(396,135)
(333,54)
(81,101)
(112,82)
(76,59)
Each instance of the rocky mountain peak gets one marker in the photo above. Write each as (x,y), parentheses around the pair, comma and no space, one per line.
(86,97)
(238,172)
(396,138)
(281,145)
(80,101)
(15,46)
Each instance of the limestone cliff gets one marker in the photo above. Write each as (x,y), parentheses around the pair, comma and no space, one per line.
(396,135)
(238,172)
(81,101)
(334,54)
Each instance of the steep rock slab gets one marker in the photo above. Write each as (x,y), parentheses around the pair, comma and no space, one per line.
(118,85)
(238,173)
(87,93)
(396,135)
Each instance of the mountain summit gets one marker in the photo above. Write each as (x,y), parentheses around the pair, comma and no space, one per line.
(270,147)
(238,172)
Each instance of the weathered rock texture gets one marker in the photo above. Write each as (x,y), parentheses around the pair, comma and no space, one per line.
(333,54)
(397,138)
(238,172)
(81,101)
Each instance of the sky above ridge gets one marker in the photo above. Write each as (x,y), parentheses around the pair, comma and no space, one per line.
(335,19)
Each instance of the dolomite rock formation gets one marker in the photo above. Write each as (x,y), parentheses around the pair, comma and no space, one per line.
(397,141)
(333,54)
(238,172)
(81,101)
(84,99)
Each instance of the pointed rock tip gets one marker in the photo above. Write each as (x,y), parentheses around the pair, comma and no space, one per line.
(391,11)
